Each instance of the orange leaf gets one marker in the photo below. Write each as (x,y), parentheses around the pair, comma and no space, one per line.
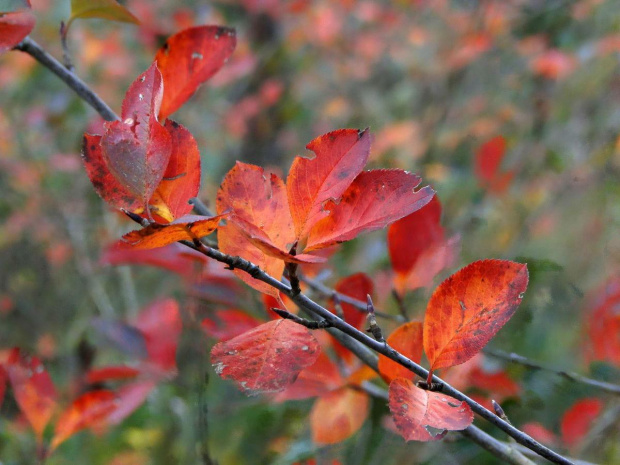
(468,309)
(159,235)
(33,389)
(338,415)
(316,380)
(86,411)
(578,420)
(374,200)
(181,179)
(189,58)
(267,358)
(418,414)
(14,27)
(340,157)
(259,204)
(406,339)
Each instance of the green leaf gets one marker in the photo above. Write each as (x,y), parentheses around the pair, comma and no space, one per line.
(104,9)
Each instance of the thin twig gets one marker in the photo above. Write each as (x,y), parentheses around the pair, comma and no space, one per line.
(321,324)
(519,359)
(358,304)
(33,49)
(200,207)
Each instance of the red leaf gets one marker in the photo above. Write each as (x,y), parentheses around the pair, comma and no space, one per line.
(578,420)
(159,235)
(267,358)
(340,157)
(189,58)
(3,381)
(174,257)
(338,415)
(181,179)
(357,286)
(228,323)
(374,200)
(128,399)
(86,411)
(539,432)
(489,158)
(318,379)
(33,389)
(111,373)
(161,325)
(106,185)
(255,200)
(417,412)
(137,149)
(14,27)
(603,323)
(406,339)
(468,309)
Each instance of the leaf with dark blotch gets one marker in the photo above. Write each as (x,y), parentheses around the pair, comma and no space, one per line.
(110,189)
(424,415)
(158,235)
(340,157)
(86,411)
(189,58)
(33,389)
(469,308)
(181,179)
(267,358)
(137,149)
(374,200)
(406,339)
(338,415)
(14,27)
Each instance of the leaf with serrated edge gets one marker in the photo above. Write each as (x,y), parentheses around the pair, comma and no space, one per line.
(267,358)
(375,199)
(469,308)
(422,415)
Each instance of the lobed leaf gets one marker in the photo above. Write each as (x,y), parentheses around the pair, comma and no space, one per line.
(33,389)
(186,228)
(406,339)
(340,157)
(424,415)
(86,411)
(338,415)
(374,200)
(267,358)
(468,308)
(189,58)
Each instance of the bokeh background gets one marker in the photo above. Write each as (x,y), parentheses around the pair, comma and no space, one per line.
(434,80)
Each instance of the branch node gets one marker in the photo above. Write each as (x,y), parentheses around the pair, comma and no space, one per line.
(321,324)
(373,327)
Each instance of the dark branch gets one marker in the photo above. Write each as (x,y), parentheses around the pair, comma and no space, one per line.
(33,49)
(200,207)
(322,324)
(519,359)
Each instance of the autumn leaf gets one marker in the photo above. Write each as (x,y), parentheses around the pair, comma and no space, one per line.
(578,420)
(129,398)
(111,373)
(487,165)
(603,323)
(406,339)
(229,323)
(14,27)
(104,9)
(189,58)
(418,248)
(374,200)
(86,411)
(316,380)
(3,382)
(468,308)
(186,228)
(338,415)
(33,389)
(340,157)
(425,415)
(267,358)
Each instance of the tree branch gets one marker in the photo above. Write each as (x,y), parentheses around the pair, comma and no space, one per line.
(521,360)
(33,49)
